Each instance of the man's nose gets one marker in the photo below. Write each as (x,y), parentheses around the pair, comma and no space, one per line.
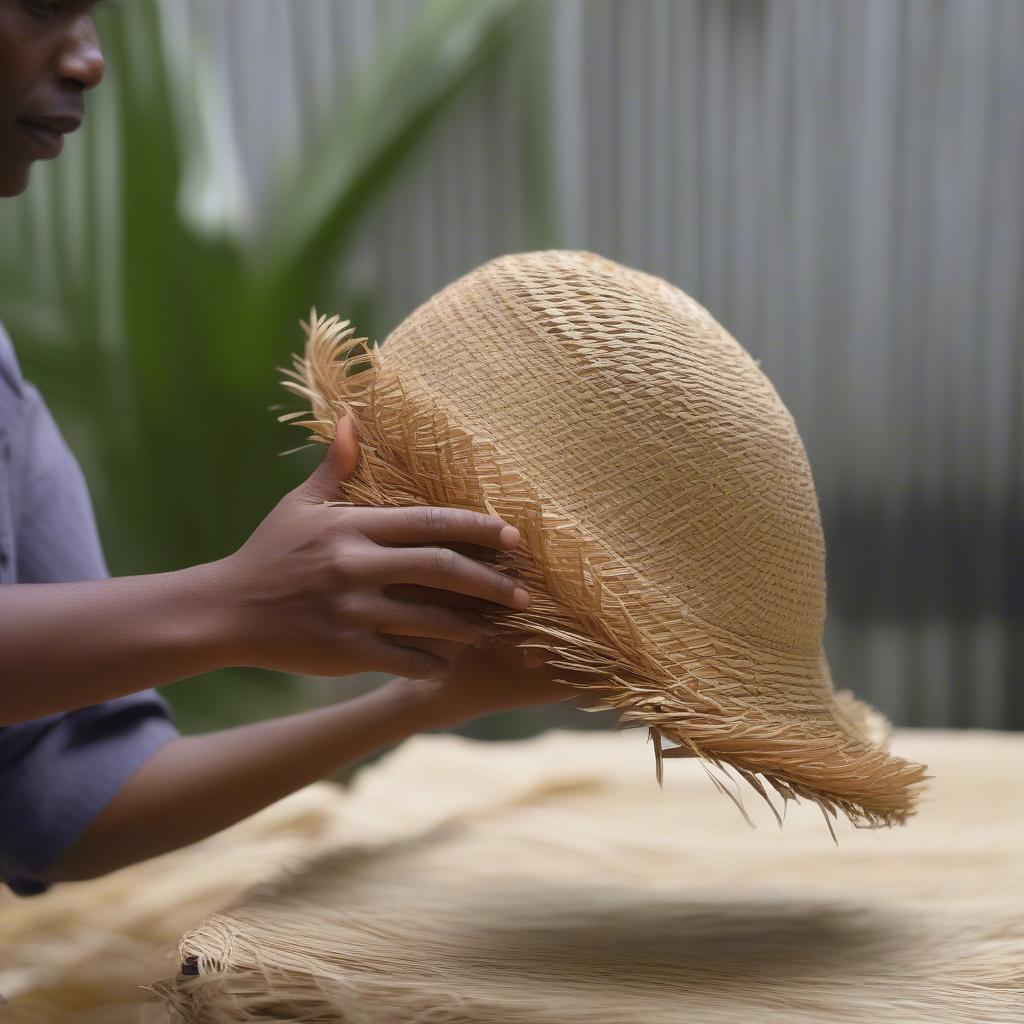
(81,58)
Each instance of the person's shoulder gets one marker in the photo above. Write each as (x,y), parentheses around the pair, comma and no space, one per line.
(10,372)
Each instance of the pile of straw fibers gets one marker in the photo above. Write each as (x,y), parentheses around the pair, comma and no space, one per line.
(595,897)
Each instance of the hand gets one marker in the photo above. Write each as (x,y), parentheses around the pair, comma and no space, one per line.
(312,590)
(483,680)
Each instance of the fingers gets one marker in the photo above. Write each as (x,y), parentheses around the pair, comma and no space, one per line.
(429,525)
(403,618)
(517,657)
(446,650)
(338,464)
(388,654)
(444,598)
(444,569)
(344,450)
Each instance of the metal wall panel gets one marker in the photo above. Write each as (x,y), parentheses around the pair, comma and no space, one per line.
(840,183)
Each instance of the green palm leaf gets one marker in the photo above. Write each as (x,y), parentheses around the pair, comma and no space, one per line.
(149,310)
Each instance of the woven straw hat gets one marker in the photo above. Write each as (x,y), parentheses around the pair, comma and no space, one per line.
(671,535)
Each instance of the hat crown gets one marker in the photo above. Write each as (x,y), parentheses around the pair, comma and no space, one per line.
(642,420)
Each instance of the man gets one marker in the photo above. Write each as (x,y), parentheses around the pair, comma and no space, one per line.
(93,774)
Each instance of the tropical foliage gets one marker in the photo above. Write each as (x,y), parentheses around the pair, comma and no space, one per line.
(151,306)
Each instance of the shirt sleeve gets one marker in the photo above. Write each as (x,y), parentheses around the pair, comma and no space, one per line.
(55,526)
(57,773)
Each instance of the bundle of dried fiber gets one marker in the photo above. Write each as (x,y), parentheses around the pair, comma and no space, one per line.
(608,901)
(81,953)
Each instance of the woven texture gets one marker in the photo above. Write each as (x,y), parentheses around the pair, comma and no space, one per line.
(672,540)
(548,882)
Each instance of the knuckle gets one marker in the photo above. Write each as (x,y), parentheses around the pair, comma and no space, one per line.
(426,518)
(339,532)
(478,526)
(346,519)
(341,563)
(346,607)
(346,565)
(482,524)
(436,519)
(464,521)
(445,561)
(499,584)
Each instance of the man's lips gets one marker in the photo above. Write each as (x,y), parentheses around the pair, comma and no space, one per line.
(46,133)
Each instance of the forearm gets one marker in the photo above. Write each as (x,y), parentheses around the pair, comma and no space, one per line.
(197,785)
(67,645)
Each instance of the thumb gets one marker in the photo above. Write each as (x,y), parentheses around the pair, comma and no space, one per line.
(339,461)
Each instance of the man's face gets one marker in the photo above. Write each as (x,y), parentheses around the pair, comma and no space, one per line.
(49,57)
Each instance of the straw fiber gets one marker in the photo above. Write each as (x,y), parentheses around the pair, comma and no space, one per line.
(547,882)
(671,535)
(80,953)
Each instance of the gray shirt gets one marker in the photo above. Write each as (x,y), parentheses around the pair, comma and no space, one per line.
(56,773)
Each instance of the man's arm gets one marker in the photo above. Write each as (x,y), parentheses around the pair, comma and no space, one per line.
(68,645)
(197,785)
(309,593)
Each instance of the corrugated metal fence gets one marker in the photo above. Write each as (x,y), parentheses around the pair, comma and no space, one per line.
(842,184)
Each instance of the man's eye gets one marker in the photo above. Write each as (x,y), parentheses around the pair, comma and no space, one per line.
(43,8)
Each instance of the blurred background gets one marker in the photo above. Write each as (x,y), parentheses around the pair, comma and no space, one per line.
(841,184)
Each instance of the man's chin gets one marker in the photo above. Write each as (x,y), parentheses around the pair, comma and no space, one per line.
(13,180)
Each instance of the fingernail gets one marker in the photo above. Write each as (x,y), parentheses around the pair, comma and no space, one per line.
(520,598)
(509,537)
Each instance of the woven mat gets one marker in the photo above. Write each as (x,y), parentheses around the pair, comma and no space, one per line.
(551,881)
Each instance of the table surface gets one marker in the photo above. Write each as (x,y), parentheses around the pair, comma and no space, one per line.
(580,813)
(63,955)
